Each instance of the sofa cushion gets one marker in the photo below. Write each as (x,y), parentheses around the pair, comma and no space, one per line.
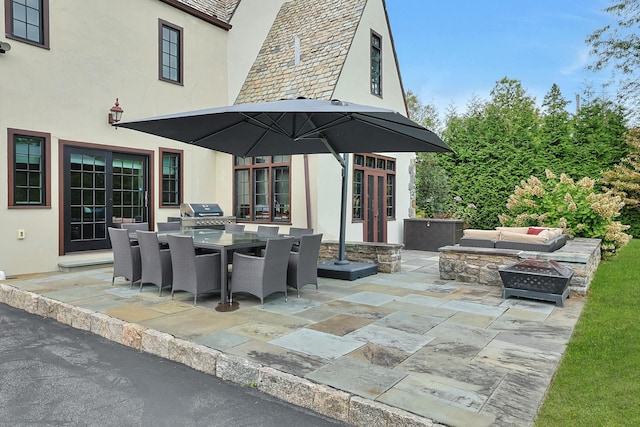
(522,230)
(471,233)
(535,230)
(555,232)
(525,238)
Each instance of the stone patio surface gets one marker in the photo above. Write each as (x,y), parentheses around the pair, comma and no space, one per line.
(385,350)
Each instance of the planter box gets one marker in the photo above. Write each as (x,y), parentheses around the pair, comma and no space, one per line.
(428,234)
(537,278)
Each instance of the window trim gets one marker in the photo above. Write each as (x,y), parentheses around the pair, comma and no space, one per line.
(8,18)
(180,153)
(11,162)
(371,47)
(161,24)
(251,167)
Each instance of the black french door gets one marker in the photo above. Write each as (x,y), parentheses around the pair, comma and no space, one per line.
(101,188)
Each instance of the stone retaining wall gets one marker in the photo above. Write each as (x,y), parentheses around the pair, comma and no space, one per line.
(481,265)
(386,255)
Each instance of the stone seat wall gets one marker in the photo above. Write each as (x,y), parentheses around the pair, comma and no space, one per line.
(386,255)
(481,265)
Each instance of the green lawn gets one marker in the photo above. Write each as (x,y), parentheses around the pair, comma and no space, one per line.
(598,381)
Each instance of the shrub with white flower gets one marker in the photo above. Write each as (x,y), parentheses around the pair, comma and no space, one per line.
(573,206)
(458,209)
(461,210)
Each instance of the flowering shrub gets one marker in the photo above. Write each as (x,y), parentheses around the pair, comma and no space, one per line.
(573,206)
(458,209)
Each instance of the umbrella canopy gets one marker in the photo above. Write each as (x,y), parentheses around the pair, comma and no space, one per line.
(295,126)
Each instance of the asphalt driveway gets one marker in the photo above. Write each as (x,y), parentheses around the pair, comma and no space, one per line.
(54,375)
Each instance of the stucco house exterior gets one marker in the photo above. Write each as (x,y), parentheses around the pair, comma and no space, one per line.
(70,174)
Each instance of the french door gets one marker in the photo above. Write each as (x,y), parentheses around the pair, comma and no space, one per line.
(375,220)
(101,188)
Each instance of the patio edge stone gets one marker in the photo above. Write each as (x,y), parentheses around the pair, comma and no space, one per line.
(287,387)
(367,413)
(132,335)
(331,402)
(5,293)
(156,342)
(111,328)
(237,370)
(65,313)
(82,318)
(195,356)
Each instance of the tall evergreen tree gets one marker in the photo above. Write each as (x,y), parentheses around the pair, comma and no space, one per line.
(556,129)
(495,145)
(598,138)
(432,187)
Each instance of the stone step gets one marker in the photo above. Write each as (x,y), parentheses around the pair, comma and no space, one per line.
(85,264)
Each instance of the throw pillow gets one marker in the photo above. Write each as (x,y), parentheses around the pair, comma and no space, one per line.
(535,230)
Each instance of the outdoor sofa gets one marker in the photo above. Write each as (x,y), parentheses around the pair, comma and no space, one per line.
(539,239)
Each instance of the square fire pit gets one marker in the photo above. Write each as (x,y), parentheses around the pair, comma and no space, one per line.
(538,279)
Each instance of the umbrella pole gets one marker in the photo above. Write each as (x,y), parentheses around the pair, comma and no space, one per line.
(342,247)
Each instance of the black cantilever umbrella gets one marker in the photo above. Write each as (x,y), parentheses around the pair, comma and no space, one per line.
(296,126)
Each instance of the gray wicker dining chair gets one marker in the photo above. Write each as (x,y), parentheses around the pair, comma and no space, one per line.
(230,228)
(266,230)
(303,263)
(193,273)
(126,257)
(298,232)
(156,262)
(135,226)
(262,276)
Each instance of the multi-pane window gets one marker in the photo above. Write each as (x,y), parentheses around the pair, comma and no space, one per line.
(262,188)
(391,196)
(28,168)
(358,187)
(128,189)
(171,182)
(371,164)
(376,64)
(170,52)
(28,20)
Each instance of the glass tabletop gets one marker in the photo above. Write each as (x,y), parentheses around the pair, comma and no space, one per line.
(223,238)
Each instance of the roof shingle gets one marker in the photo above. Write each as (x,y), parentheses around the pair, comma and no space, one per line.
(221,9)
(326,29)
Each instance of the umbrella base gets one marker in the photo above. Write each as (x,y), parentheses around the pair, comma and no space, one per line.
(346,271)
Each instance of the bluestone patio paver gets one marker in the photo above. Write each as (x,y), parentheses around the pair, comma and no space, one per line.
(356,377)
(317,343)
(455,353)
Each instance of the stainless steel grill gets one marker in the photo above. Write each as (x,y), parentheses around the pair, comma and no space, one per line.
(203,215)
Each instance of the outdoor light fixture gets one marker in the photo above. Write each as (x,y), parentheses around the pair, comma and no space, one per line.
(4,47)
(115,113)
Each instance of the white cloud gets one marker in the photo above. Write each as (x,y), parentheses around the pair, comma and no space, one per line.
(579,63)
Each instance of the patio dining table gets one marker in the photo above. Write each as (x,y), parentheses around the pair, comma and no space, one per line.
(224,243)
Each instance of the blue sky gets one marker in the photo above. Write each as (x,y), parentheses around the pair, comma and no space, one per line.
(451,50)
